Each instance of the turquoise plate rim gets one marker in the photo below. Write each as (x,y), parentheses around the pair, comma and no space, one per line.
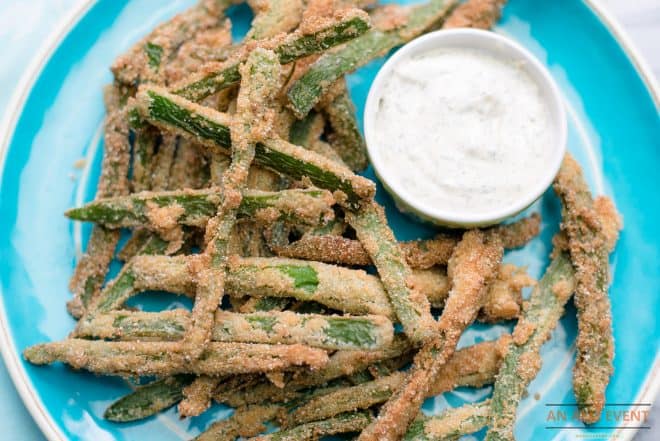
(648,391)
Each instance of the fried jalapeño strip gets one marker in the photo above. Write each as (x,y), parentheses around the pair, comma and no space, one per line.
(149,399)
(245,422)
(306,92)
(472,266)
(91,269)
(480,14)
(345,137)
(347,422)
(128,358)
(211,128)
(195,207)
(288,47)
(259,86)
(358,293)
(368,332)
(588,249)
(140,273)
(522,362)
(419,253)
(253,121)
(473,366)
(146,60)
(340,364)
(450,424)
(196,396)
(412,309)
(272,17)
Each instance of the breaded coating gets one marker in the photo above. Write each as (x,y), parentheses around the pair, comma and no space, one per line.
(197,396)
(207,45)
(504,297)
(272,17)
(127,358)
(419,253)
(145,61)
(472,266)
(588,245)
(410,306)
(91,269)
(245,422)
(611,221)
(475,366)
(253,122)
(480,14)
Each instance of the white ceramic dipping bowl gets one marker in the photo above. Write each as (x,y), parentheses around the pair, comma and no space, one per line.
(495,45)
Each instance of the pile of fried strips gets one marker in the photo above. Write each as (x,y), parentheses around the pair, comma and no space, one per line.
(233,166)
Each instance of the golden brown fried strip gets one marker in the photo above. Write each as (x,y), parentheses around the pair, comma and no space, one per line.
(167,358)
(145,61)
(246,421)
(252,390)
(190,168)
(473,264)
(329,249)
(503,300)
(197,396)
(207,45)
(588,246)
(358,293)
(610,220)
(474,366)
(163,160)
(504,297)
(480,14)
(419,253)
(91,269)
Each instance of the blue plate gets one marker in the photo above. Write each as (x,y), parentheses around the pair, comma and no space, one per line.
(614,132)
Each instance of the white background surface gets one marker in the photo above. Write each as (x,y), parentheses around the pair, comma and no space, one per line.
(26,24)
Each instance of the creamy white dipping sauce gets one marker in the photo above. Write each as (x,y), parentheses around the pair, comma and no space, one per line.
(461,129)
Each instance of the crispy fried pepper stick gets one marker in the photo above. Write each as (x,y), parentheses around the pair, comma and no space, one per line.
(274,16)
(197,396)
(346,138)
(149,399)
(588,248)
(481,14)
(165,358)
(473,264)
(275,327)
(214,77)
(411,308)
(210,128)
(146,60)
(474,366)
(306,92)
(358,293)
(423,253)
(340,364)
(195,207)
(348,422)
(450,424)
(91,269)
(522,362)
(246,421)
(259,86)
